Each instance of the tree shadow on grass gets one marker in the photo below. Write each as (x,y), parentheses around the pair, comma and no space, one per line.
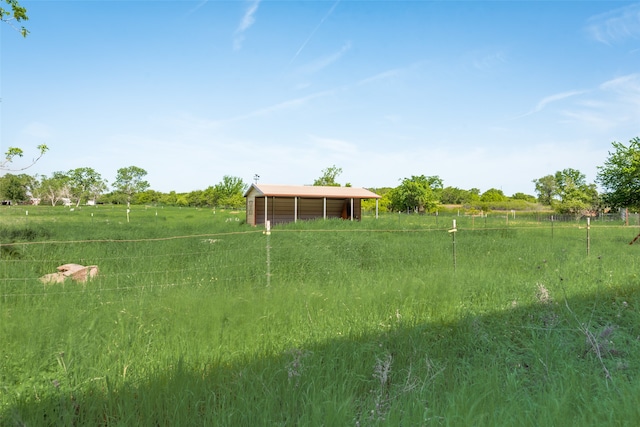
(555,362)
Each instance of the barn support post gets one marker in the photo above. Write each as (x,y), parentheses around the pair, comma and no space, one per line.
(295,209)
(266,211)
(352,209)
(324,208)
(377,209)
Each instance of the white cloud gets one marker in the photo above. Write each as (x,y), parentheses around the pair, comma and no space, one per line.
(393,73)
(284,105)
(594,119)
(324,62)
(626,90)
(248,19)
(616,25)
(551,99)
(380,76)
(624,84)
(557,97)
(615,104)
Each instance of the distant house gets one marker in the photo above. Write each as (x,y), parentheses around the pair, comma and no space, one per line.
(290,203)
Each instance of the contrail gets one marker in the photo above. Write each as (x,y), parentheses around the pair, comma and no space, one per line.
(314,31)
(195,8)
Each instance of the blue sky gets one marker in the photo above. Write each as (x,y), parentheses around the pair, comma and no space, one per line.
(482,94)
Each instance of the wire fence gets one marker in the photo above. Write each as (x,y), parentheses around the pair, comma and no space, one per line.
(254,258)
(540,217)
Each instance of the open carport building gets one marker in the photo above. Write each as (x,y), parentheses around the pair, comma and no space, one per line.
(289,203)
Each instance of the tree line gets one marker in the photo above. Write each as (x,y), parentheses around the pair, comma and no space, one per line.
(565,191)
(84,185)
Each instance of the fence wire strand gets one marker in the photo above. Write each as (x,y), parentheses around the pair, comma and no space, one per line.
(150,264)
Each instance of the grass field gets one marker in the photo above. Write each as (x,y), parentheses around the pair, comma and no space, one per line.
(198,319)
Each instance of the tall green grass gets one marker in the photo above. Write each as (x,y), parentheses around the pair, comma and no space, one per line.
(198,319)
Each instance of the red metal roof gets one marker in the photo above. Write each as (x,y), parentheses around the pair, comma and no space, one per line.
(312,191)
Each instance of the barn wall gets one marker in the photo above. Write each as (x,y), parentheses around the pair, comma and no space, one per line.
(259,211)
(341,208)
(281,209)
(335,208)
(251,209)
(310,208)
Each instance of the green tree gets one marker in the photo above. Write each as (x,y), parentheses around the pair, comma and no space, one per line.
(415,194)
(209,195)
(329,176)
(114,198)
(17,13)
(55,187)
(472,197)
(493,195)
(451,196)
(202,198)
(523,196)
(13,152)
(85,183)
(129,181)
(182,200)
(436,185)
(576,196)
(546,188)
(620,175)
(15,187)
(569,179)
(196,198)
(383,203)
(169,199)
(230,192)
(147,197)
(457,196)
